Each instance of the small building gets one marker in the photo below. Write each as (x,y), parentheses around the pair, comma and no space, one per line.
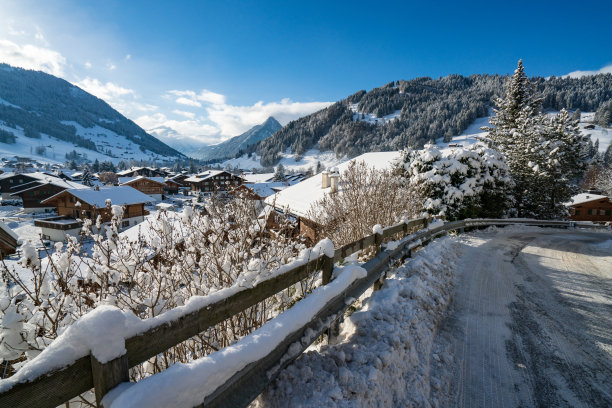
(142,171)
(8,240)
(151,186)
(32,194)
(299,199)
(590,207)
(213,180)
(74,204)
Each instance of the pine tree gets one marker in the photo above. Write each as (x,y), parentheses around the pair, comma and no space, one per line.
(86,178)
(96,166)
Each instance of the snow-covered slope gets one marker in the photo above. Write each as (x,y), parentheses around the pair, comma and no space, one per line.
(49,117)
(473,133)
(51,150)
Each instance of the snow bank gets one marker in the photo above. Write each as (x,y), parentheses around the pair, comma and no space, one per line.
(383,357)
(186,385)
(101,332)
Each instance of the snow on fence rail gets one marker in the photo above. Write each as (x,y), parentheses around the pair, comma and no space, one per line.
(54,380)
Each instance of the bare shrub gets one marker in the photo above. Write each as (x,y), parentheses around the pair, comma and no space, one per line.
(147,270)
(366,197)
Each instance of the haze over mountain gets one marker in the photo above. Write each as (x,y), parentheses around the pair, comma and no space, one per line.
(51,117)
(237,144)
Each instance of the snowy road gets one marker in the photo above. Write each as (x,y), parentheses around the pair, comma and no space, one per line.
(530,323)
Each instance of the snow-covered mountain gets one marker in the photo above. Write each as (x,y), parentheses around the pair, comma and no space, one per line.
(45,117)
(175,140)
(236,145)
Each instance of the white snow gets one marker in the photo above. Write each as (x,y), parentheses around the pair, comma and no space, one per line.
(382,356)
(585,198)
(372,118)
(473,133)
(186,385)
(55,149)
(377,229)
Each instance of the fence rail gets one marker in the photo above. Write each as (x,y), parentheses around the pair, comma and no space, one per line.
(58,386)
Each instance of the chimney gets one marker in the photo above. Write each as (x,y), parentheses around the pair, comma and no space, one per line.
(324,179)
(333,178)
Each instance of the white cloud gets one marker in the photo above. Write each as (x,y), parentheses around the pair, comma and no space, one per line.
(578,74)
(189,115)
(188,102)
(111,66)
(32,57)
(233,120)
(128,57)
(211,97)
(221,120)
(107,91)
(195,129)
(191,98)
(87,64)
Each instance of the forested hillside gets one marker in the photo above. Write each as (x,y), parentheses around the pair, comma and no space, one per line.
(420,110)
(41,103)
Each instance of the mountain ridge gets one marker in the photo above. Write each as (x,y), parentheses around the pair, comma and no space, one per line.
(238,144)
(36,105)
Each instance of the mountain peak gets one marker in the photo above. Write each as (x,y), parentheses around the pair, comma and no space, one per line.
(233,146)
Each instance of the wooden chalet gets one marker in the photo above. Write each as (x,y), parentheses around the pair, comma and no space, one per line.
(32,194)
(213,180)
(152,186)
(74,204)
(8,240)
(591,207)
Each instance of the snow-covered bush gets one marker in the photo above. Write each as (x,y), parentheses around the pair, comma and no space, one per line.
(148,270)
(367,197)
(462,182)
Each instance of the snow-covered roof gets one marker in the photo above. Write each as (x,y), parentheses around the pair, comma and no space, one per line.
(58,182)
(266,189)
(203,176)
(258,178)
(585,198)
(299,198)
(126,180)
(122,195)
(9,231)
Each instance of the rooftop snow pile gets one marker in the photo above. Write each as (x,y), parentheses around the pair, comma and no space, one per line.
(122,195)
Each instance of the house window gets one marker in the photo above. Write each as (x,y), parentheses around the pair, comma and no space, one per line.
(591,211)
(607,212)
(125,224)
(602,212)
(577,212)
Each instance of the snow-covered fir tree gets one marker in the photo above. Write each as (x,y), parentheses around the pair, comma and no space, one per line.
(87,178)
(465,182)
(545,156)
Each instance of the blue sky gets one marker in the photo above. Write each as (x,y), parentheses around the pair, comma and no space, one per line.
(210,70)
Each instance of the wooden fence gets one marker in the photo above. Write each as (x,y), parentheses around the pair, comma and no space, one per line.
(58,386)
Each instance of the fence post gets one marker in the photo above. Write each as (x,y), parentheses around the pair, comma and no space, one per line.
(327,271)
(108,375)
(377,245)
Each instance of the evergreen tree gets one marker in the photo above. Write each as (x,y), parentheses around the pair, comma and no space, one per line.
(279,174)
(546,157)
(86,178)
(96,166)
